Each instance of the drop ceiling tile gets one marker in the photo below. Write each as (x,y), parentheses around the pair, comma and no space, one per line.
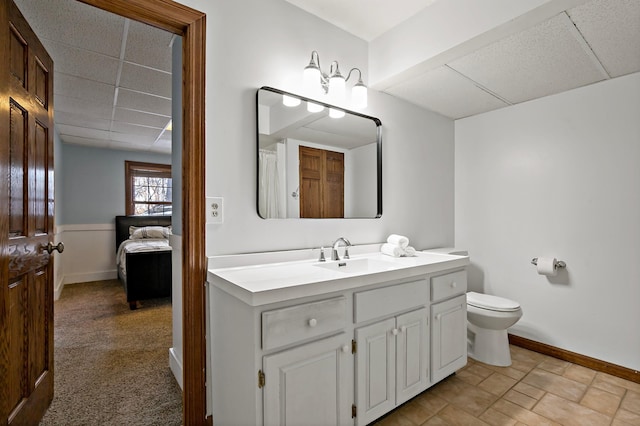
(79,120)
(146,80)
(612,30)
(446,92)
(82,107)
(82,132)
(141,118)
(81,88)
(133,129)
(143,102)
(83,63)
(77,24)
(537,62)
(147,45)
(131,138)
(76,140)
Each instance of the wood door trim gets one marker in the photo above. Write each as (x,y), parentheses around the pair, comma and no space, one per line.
(191,25)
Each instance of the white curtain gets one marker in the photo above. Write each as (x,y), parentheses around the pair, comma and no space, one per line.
(269,191)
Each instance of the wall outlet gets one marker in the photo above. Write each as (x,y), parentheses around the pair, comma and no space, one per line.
(215,210)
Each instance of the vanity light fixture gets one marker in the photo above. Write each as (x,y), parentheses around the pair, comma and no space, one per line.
(317,83)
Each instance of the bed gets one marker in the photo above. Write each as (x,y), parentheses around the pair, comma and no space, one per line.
(143,262)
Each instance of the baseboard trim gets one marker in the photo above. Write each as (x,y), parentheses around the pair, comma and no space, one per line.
(575,358)
(58,286)
(87,277)
(175,364)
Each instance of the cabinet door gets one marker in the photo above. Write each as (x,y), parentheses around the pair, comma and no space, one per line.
(375,370)
(309,385)
(448,337)
(412,343)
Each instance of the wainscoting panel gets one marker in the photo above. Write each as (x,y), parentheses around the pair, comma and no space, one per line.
(89,253)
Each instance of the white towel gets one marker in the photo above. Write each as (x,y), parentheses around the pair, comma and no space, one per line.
(391,250)
(398,240)
(409,251)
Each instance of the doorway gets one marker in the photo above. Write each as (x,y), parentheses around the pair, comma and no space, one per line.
(191,25)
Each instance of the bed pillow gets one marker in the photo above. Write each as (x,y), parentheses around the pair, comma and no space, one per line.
(137,233)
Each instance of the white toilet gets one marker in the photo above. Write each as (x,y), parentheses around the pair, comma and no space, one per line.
(488,318)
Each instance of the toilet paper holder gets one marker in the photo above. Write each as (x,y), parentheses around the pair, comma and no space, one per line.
(558,265)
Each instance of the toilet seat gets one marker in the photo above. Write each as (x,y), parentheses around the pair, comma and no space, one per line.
(492,303)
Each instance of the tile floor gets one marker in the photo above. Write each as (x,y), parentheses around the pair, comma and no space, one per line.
(535,390)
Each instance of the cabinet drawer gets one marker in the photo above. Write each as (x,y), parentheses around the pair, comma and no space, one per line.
(445,286)
(389,300)
(288,325)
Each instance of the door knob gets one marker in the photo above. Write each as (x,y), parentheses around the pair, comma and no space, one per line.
(50,247)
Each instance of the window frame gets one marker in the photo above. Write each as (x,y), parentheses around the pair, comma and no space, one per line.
(133,169)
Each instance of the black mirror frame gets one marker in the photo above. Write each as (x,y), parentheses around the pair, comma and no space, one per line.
(305,99)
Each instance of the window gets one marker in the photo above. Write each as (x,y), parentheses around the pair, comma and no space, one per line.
(148,190)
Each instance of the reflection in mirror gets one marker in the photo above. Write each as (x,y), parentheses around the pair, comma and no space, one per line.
(315,160)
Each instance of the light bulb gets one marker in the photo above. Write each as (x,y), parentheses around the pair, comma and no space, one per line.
(290,101)
(336,113)
(359,95)
(337,88)
(314,107)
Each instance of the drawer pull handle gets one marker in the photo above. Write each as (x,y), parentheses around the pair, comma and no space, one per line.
(345,348)
(454,284)
(394,331)
(313,322)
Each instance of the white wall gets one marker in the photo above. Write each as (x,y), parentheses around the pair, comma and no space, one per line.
(560,177)
(254,43)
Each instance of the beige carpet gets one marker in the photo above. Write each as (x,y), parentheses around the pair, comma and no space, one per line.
(111,363)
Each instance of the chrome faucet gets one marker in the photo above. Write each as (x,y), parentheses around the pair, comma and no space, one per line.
(336,244)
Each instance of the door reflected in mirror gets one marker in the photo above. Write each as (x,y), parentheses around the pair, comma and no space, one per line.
(316,160)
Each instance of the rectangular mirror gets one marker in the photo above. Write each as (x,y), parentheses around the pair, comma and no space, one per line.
(312,165)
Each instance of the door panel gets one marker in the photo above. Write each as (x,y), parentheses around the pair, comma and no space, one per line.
(413,358)
(375,370)
(449,338)
(321,183)
(308,385)
(26,222)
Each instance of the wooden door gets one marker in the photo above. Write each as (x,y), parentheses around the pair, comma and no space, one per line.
(26,222)
(449,337)
(321,183)
(309,385)
(412,343)
(375,370)
(310,164)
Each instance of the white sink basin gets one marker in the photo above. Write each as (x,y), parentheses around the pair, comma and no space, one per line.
(353,266)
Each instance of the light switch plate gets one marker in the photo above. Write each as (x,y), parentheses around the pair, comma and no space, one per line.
(215,209)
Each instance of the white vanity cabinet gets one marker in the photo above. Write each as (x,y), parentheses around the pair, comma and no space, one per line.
(392,355)
(309,385)
(343,351)
(391,360)
(448,324)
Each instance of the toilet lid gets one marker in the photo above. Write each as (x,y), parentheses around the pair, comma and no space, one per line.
(493,303)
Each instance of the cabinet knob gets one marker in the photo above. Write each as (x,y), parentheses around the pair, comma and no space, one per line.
(403,328)
(454,284)
(345,349)
(313,322)
(394,331)
(438,317)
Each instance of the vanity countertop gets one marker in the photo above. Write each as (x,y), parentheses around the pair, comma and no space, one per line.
(262,283)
